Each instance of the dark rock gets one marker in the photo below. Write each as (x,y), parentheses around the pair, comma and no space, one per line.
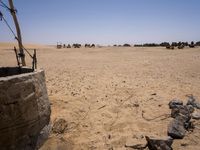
(189,126)
(59,126)
(176,128)
(183,111)
(192,101)
(163,143)
(175,103)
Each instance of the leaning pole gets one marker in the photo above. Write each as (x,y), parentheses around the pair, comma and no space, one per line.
(19,38)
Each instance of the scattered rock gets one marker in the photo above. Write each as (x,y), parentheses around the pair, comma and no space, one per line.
(196,115)
(163,143)
(175,103)
(183,111)
(154,94)
(192,101)
(59,126)
(176,129)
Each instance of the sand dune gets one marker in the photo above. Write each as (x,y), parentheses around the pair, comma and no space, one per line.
(102,92)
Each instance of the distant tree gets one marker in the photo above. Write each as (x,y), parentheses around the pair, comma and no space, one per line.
(150,45)
(192,45)
(175,44)
(138,45)
(197,43)
(164,44)
(127,45)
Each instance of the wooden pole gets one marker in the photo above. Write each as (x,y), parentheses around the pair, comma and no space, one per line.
(18,63)
(19,38)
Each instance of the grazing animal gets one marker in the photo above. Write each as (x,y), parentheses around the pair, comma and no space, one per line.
(59,46)
(92,46)
(68,46)
(87,45)
(181,46)
(76,45)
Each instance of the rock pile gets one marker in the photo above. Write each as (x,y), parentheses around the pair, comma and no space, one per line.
(182,122)
(182,115)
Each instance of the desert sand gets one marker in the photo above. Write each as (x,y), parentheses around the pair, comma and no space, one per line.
(102,93)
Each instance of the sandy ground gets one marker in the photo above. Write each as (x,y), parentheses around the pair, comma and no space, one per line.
(102,93)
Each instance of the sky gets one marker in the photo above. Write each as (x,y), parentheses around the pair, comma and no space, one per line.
(104,21)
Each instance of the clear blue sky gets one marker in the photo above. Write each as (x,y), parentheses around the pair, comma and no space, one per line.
(105,21)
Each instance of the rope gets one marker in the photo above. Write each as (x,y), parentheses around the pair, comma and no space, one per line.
(9,27)
(8,8)
(4,5)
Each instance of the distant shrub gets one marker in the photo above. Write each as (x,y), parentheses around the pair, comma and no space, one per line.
(175,44)
(138,45)
(164,44)
(150,45)
(127,45)
(192,45)
(197,43)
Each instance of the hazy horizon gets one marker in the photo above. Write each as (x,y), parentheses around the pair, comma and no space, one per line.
(105,22)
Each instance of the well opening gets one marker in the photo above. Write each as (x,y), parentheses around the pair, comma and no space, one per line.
(10,71)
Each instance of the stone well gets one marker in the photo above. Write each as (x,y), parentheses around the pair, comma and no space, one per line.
(24,108)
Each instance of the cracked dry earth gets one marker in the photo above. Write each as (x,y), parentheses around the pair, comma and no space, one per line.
(102,92)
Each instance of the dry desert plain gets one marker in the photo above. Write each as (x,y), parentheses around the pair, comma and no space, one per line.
(102,93)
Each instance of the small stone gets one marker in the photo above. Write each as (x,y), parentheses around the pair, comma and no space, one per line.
(160,143)
(196,115)
(59,126)
(192,101)
(184,144)
(176,129)
(175,103)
